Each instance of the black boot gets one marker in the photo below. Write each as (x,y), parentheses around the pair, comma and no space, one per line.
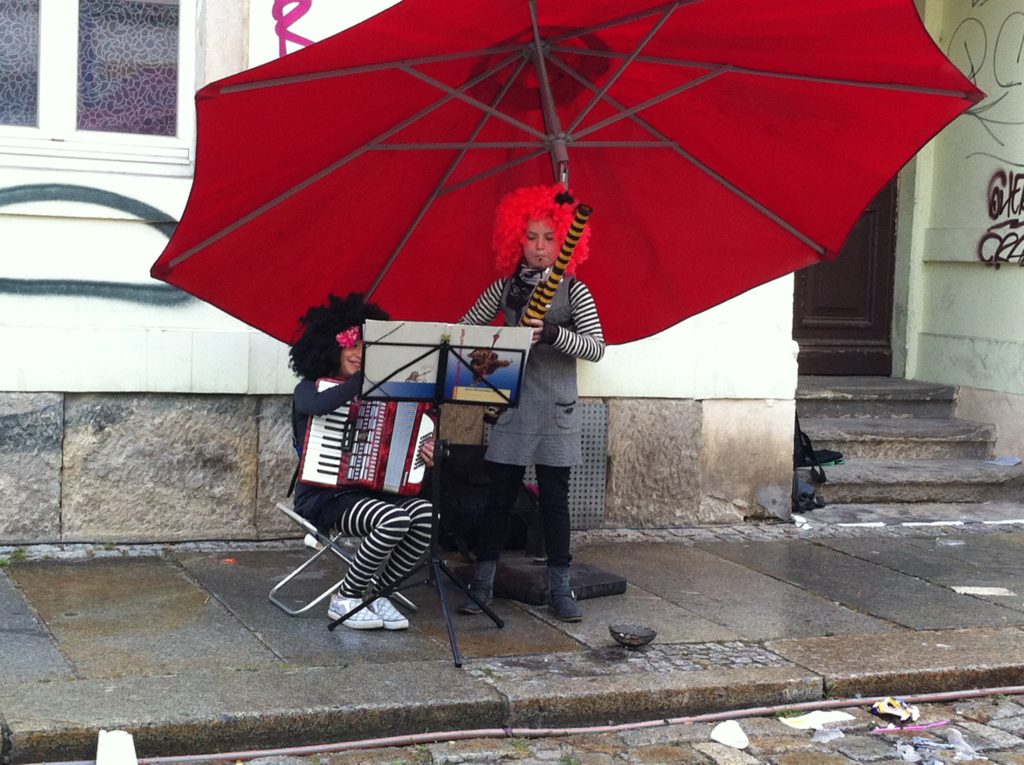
(560,596)
(482,587)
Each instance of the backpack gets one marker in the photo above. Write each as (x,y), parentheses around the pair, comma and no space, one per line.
(805,455)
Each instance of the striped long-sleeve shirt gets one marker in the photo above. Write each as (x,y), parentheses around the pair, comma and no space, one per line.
(586,342)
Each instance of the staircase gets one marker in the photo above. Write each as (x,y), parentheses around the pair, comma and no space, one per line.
(902,444)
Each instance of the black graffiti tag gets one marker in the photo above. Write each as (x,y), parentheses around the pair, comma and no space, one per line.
(992,57)
(1005,194)
(1004,241)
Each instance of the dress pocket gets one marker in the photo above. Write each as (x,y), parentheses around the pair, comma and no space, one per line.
(565,415)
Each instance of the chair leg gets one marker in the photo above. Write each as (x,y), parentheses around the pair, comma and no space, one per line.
(320,598)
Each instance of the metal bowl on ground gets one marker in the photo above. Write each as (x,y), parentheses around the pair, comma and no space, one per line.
(631,635)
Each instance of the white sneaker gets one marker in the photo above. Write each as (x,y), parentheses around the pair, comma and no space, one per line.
(365,619)
(393,618)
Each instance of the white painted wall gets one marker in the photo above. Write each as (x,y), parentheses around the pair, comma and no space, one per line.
(742,349)
(965,325)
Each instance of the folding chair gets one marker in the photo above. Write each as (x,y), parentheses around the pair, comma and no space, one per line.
(325,544)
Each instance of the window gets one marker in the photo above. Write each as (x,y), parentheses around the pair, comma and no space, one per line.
(87,83)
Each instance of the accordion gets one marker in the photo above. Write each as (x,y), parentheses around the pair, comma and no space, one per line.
(369,444)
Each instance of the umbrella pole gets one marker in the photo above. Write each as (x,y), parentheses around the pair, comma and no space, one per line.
(559,153)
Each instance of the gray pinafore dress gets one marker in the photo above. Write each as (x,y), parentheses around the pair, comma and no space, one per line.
(545,428)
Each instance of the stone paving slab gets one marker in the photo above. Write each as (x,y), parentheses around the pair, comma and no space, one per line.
(136,616)
(710,588)
(241,586)
(304,640)
(478,636)
(867,587)
(985,562)
(636,606)
(227,710)
(27,652)
(910,662)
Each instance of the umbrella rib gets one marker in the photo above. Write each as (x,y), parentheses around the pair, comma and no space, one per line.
(761,72)
(666,141)
(439,187)
(629,112)
(471,101)
(321,174)
(670,7)
(494,171)
(597,97)
(364,69)
(456,145)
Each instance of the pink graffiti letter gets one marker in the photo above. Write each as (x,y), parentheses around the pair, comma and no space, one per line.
(286,13)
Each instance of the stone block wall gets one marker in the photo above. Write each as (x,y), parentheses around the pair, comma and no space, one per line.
(172,467)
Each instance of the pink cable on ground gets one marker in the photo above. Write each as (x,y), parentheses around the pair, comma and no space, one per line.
(459,735)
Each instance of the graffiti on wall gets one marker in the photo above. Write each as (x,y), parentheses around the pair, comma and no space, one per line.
(148,294)
(286,13)
(989,53)
(280,27)
(1004,240)
(987,46)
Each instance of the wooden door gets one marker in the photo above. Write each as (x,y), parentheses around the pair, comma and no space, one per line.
(842,312)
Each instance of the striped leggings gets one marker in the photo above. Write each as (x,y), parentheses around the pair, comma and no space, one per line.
(395,536)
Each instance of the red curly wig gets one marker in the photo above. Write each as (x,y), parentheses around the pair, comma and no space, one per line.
(519,207)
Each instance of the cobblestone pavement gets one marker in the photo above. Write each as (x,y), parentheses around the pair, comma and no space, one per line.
(988,729)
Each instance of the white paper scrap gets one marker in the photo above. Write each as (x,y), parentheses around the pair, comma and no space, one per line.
(731,734)
(932,523)
(816,719)
(115,747)
(863,525)
(1000,592)
(1008,461)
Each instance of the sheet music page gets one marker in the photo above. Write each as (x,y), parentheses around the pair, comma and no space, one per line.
(401,361)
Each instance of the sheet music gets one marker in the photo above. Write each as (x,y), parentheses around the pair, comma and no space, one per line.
(401,361)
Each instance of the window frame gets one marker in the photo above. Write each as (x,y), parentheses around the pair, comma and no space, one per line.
(56,141)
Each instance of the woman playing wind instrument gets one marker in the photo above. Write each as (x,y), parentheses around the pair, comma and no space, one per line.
(531,226)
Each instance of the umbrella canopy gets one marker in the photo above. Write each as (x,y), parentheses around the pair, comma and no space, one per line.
(721,144)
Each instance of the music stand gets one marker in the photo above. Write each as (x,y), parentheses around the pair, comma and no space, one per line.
(407,353)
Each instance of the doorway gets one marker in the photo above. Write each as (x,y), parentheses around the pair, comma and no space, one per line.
(842,309)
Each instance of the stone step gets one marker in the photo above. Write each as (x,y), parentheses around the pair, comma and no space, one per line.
(872,397)
(917,481)
(893,438)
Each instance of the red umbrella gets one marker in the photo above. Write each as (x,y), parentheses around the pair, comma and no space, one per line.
(721,143)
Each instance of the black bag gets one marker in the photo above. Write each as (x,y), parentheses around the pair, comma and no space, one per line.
(464,488)
(804,497)
(804,454)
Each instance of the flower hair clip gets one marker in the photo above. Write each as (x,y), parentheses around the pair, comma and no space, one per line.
(350,337)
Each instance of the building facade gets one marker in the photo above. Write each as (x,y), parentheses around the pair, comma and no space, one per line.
(132,412)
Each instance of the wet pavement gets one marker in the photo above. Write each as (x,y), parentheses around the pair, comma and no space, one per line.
(180,646)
